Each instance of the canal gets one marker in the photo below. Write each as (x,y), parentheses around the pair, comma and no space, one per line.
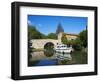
(48,58)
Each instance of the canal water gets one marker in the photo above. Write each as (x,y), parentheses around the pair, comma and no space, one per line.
(48,58)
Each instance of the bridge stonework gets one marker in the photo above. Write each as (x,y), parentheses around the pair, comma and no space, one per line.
(40,43)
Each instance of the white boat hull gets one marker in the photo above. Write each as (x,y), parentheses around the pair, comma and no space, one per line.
(62,48)
(64,51)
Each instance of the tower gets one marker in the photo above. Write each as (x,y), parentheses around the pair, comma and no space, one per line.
(59,37)
(59,32)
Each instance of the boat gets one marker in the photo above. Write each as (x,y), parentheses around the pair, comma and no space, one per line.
(62,48)
(61,56)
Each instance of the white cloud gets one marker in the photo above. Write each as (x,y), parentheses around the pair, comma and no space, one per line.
(29,22)
(39,25)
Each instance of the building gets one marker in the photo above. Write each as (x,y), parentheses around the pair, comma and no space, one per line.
(60,32)
(71,36)
(68,36)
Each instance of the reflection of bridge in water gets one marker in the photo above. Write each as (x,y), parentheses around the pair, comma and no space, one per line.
(42,56)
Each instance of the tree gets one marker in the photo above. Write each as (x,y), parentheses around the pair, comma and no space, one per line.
(77,41)
(52,36)
(77,44)
(83,38)
(43,36)
(33,33)
(59,29)
(64,39)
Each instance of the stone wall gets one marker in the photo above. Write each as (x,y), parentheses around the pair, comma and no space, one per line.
(40,43)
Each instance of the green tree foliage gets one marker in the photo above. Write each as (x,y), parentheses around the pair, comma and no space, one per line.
(33,33)
(77,44)
(43,36)
(52,36)
(77,41)
(83,38)
(64,39)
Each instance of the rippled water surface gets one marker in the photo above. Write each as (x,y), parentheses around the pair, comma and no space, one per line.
(41,58)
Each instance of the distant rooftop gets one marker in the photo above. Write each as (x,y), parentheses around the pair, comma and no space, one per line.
(71,34)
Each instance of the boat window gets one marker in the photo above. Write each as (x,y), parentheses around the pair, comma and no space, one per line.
(58,46)
(68,45)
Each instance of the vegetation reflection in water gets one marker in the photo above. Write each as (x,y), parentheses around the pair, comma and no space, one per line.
(50,57)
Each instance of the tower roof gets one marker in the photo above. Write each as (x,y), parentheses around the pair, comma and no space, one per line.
(59,29)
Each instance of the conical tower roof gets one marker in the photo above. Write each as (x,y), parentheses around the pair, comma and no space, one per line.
(59,29)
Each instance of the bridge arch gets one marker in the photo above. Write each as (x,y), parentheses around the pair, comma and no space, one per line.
(49,45)
(40,43)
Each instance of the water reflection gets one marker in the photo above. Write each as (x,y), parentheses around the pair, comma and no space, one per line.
(48,53)
(45,58)
(63,56)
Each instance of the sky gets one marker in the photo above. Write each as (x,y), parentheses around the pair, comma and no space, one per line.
(48,24)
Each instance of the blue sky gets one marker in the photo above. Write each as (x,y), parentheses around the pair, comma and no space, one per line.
(48,24)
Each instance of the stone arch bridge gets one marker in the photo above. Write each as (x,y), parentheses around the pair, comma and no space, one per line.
(40,43)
